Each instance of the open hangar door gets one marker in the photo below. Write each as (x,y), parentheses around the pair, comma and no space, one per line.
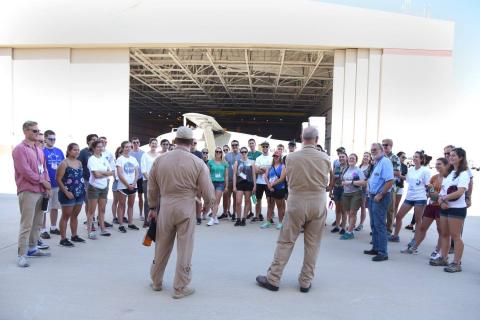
(261,91)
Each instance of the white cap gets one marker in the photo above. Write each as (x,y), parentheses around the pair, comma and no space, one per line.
(184,133)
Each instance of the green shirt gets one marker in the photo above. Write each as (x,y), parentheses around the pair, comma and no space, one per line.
(253,155)
(217,170)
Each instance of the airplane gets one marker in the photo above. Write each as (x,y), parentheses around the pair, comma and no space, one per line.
(209,134)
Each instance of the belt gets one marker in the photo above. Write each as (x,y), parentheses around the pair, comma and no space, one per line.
(374,194)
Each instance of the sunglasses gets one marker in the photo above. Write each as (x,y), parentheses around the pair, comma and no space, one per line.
(225,150)
(243,151)
(265,147)
(218,151)
(34,130)
(51,139)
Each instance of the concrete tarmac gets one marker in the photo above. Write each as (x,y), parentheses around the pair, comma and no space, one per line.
(108,278)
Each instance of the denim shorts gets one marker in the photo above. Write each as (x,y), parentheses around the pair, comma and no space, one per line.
(337,193)
(115,185)
(219,185)
(415,203)
(457,213)
(64,201)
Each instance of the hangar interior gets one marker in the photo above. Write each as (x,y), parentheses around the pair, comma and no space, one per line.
(263,91)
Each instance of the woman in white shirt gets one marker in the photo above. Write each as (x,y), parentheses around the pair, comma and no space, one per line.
(453,210)
(145,166)
(100,172)
(127,172)
(418,178)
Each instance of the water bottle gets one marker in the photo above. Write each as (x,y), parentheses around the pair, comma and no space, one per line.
(254,198)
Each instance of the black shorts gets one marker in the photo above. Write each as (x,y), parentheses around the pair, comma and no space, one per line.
(127,192)
(457,213)
(276,194)
(261,188)
(244,185)
(140,185)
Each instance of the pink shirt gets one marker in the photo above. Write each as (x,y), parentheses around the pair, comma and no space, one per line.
(30,168)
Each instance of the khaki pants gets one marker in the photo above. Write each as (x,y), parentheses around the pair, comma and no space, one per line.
(31,220)
(391,212)
(176,218)
(310,212)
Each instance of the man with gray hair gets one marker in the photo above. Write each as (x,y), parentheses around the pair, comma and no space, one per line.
(177,178)
(379,189)
(307,175)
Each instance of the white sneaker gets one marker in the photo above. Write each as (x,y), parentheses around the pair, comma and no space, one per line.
(216,220)
(92,236)
(211,222)
(435,255)
(23,262)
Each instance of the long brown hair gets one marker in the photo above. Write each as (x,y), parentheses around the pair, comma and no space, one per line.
(463,165)
(70,148)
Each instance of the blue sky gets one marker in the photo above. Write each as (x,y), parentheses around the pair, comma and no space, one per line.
(466,15)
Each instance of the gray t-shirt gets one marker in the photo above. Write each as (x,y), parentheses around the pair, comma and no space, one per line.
(231,158)
(138,156)
(352,174)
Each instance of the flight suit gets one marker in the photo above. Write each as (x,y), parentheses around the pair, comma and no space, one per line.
(308,177)
(176,178)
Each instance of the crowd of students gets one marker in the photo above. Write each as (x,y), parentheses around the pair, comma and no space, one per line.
(241,177)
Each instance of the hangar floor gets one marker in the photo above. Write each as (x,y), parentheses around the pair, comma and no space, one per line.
(265,91)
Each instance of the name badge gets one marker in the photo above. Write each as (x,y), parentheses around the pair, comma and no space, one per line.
(243,176)
(54,166)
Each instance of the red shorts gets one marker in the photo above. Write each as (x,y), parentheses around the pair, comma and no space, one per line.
(432,212)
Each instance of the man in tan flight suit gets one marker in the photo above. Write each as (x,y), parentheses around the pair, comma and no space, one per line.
(176,178)
(307,176)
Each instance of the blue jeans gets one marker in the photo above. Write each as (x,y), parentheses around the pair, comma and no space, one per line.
(378,215)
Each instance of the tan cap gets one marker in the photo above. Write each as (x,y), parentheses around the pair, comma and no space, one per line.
(184,133)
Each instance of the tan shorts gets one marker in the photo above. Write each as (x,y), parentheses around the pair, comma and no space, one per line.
(352,201)
(53,202)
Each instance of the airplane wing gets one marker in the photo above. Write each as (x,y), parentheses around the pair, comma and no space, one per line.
(203,121)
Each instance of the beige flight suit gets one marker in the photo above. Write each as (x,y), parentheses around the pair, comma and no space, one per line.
(308,177)
(176,178)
